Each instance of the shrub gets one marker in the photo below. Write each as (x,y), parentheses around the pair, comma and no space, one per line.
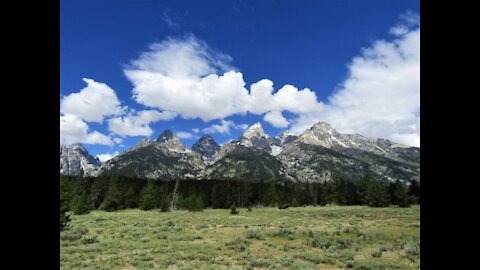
(233,209)
(90,240)
(237,244)
(282,233)
(162,236)
(325,241)
(254,234)
(73,234)
(376,264)
(351,229)
(70,236)
(260,262)
(164,207)
(331,249)
(311,257)
(413,251)
(377,254)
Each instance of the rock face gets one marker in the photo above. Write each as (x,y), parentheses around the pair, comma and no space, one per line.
(320,154)
(277,144)
(322,134)
(255,137)
(283,139)
(75,159)
(166,159)
(206,147)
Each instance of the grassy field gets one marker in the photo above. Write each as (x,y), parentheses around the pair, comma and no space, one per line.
(337,237)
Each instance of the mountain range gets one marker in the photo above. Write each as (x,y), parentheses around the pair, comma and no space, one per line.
(319,154)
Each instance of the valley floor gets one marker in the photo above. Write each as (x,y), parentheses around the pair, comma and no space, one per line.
(337,237)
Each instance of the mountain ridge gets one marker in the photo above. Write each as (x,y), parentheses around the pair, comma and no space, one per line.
(321,153)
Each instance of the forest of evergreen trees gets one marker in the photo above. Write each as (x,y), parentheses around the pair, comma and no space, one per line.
(80,194)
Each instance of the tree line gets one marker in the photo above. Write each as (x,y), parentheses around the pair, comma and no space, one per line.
(80,194)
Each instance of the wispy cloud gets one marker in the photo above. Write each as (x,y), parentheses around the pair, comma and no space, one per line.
(184,135)
(224,127)
(138,123)
(167,18)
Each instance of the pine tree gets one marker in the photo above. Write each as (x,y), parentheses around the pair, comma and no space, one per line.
(113,197)
(363,185)
(148,196)
(64,203)
(330,192)
(165,204)
(199,203)
(82,204)
(414,191)
(294,203)
(377,195)
(97,191)
(131,198)
(398,193)
(233,209)
(272,196)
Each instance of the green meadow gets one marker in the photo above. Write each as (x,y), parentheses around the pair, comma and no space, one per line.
(328,237)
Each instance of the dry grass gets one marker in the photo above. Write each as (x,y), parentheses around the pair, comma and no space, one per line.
(214,239)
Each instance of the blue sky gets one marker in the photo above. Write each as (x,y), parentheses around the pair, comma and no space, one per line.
(153,65)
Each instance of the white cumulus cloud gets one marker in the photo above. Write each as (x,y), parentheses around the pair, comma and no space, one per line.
(224,127)
(185,76)
(92,103)
(75,130)
(381,95)
(138,123)
(276,119)
(106,157)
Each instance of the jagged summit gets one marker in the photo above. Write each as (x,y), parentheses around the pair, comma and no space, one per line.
(256,130)
(165,136)
(206,147)
(284,138)
(254,136)
(75,159)
(321,153)
(323,125)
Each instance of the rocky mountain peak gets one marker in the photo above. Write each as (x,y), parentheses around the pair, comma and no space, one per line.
(75,158)
(256,130)
(254,136)
(323,126)
(284,138)
(170,142)
(166,136)
(77,147)
(206,147)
